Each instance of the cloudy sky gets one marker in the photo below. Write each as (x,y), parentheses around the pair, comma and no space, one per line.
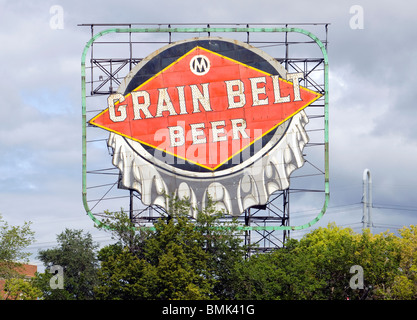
(372,57)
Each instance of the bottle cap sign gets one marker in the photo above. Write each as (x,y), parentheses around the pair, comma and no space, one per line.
(203,111)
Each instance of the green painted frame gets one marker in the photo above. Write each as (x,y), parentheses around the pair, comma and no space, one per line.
(207,30)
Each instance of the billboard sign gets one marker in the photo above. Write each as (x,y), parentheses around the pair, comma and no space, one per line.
(208,117)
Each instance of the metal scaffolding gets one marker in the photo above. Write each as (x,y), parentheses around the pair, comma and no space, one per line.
(112,57)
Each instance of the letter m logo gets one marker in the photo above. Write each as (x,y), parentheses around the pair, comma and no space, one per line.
(200,65)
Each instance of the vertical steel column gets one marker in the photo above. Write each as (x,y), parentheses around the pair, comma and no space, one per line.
(286,48)
(130,49)
(286,214)
(367,200)
(91,62)
(131,205)
(247,233)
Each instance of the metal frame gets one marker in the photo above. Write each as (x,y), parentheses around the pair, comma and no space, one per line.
(259,228)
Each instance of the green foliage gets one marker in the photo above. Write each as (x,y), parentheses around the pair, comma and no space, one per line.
(403,283)
(122,277)
(180,259)
(318,267)
(204,258)
(13,240)
(222,241)
(21,289)
(285,274)
(76,254)
(123,231)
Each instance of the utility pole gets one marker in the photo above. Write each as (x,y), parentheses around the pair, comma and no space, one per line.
(367,200)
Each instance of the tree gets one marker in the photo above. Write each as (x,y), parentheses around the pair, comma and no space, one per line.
(122,276)
(379,256)
(123,231)
(330,252)
(403,285)
(179,259)
(284,274)
(21,289)
(169,266)
(76,254)
(13,240)
(222,241)
(318,267)
(175,253)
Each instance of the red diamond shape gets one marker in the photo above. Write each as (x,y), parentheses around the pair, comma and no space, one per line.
(205,108)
